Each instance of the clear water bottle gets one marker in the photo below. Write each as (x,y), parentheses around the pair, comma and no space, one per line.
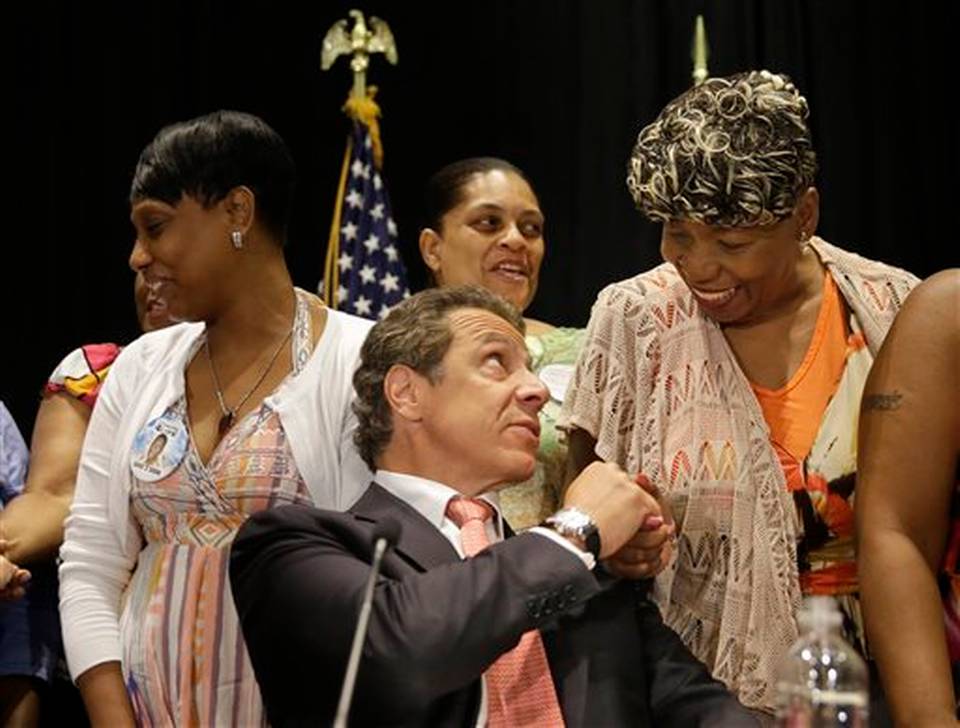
(822,681)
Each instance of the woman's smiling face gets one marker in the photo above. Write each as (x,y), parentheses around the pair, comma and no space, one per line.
(739,275)
(492,238)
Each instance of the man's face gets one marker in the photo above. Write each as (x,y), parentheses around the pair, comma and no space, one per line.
(481,416)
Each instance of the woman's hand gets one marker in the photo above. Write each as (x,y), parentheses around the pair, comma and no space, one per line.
(13,579)
(651,548)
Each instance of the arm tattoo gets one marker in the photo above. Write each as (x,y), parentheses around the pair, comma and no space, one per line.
(882,401)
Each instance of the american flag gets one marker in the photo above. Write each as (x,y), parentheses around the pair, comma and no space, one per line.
(370,273)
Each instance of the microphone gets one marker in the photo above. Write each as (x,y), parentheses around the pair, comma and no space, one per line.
(386,533)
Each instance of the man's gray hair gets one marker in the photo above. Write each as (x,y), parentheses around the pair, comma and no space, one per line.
(416,333)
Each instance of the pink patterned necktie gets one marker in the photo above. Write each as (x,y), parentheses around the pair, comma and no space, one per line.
(520,691)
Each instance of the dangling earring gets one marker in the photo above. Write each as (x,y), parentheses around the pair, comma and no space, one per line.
(236,237)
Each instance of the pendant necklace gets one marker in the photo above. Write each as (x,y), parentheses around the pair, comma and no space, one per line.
(229,414)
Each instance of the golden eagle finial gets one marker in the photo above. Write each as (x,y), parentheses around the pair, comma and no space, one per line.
(360,42)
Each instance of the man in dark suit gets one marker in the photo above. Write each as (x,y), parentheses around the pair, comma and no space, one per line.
(529,629)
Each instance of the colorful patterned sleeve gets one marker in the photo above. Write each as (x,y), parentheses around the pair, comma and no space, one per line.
(82,371)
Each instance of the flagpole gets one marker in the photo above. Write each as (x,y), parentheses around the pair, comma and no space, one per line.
(700,52)
(331,272)
(363,270)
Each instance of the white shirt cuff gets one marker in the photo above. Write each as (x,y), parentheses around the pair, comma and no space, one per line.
(585,556)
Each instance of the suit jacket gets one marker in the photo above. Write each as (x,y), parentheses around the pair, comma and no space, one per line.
(438,622)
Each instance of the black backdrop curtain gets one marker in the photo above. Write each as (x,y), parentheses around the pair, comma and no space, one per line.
(560,87)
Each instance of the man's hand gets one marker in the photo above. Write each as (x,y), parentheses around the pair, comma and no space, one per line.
(651,548)
(617,504)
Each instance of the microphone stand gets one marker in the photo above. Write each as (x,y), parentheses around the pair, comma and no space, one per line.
(359,635)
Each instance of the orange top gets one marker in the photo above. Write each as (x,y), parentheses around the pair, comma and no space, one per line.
(794,412)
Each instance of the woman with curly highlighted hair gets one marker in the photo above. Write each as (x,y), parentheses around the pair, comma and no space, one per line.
(731,375)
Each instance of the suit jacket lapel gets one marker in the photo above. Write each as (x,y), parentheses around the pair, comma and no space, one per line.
(421,544)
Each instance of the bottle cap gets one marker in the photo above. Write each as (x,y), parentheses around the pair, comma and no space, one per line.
(819,614)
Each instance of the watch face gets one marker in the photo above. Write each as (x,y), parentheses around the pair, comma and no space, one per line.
(572,519)
(574,522)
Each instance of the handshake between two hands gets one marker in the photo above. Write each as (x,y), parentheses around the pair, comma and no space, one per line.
(636,525)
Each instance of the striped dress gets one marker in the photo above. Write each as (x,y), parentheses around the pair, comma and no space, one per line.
(184,658)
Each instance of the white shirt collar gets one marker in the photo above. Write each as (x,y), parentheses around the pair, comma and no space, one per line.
(429,498)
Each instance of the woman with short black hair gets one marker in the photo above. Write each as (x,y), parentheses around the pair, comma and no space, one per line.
(252,395)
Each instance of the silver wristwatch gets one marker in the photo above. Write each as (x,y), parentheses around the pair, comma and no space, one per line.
(574,523)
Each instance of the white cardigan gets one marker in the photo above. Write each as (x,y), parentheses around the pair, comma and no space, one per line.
(103,541)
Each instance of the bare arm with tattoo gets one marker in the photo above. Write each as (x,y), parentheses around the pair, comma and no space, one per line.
(908,455)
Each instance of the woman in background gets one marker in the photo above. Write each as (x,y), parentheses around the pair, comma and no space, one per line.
(485,227)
